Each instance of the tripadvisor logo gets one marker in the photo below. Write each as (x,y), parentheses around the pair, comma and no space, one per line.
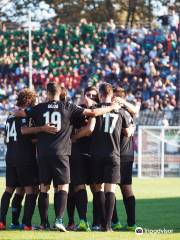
(158,231)
(139,231)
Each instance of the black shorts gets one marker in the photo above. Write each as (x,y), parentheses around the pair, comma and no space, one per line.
(80,169)
(126,172)
(54,168)
(105,169)
(22,176)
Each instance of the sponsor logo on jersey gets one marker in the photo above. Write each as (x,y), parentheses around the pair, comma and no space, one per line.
(23,120)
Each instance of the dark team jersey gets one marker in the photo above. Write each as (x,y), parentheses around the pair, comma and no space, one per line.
(127,143)
(20,149)
(60,114)
(83,143)
(75,150)
(107,132)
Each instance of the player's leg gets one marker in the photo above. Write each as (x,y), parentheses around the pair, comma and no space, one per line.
(11,183)
(29,206)
(116,225)
(16,207)
(28,178)
(43,204)
(61,179)
(129,203)
(96,224)
(98,186)
(45,178)
(111,178)
(5,201)
(79,181)
(60,202)
(71,200)
(99,198)
(128,195)
(109,204)
(71,204)
(81,204)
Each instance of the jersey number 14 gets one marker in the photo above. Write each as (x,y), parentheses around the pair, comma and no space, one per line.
(11,132)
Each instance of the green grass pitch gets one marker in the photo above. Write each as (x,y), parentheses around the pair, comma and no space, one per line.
(158,207)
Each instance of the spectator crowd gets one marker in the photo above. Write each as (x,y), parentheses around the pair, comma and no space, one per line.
(142,62)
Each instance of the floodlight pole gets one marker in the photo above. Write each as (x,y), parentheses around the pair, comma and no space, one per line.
(30,51)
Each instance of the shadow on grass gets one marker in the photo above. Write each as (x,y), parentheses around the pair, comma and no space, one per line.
(161,213)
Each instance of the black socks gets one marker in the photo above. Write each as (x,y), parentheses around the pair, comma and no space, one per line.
(99,198)
(71,204)
(16,208)
(60,202)
(5,200)
(109,206)
(129,204)
(115,218)
(81,203)
(43,203)
(29,207)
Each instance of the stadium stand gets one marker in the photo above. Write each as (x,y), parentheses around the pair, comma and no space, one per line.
(144,62)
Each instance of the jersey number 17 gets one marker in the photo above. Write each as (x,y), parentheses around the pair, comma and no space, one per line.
(110,122)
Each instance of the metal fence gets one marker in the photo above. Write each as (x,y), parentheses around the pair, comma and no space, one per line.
(158,151)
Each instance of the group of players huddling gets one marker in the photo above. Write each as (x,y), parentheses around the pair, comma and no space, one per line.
(73,146)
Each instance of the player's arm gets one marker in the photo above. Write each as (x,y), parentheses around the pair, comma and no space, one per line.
(19,113)
(86,130)
(130,107)
(47,128)
(30,112)
(100,111)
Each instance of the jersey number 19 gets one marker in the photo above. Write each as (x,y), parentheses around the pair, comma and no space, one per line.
(53,118)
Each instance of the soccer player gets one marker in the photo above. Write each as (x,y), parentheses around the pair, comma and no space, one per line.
(105,149)
(80,167)
(126,158)
(21,166)
(54,150)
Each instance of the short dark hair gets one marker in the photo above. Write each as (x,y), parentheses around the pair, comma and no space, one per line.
(90,88)
(105,89)
(26,97)
(54,88)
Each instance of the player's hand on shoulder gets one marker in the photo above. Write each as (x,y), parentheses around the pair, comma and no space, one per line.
(116,106)
(119,100)
(18,113)
(49,128)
